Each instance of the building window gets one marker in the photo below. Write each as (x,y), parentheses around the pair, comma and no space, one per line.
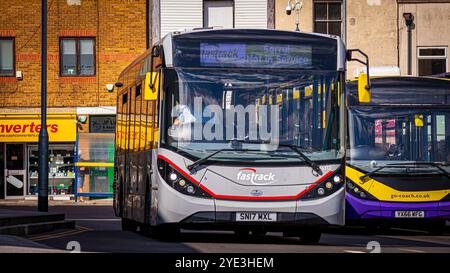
(77,56)
(218,13)
(327,17)
(432,60)
(7,62)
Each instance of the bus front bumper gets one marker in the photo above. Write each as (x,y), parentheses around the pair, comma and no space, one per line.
(368,209)
(187,211)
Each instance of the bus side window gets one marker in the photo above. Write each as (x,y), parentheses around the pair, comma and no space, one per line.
(126,118)
(137,126)
(132,119)
(150,130)
(143,124)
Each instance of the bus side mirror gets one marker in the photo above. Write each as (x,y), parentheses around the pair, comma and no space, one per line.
(151,86)
(363,88)
(418,120)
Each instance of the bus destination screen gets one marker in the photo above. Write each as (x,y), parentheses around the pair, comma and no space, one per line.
(261,55)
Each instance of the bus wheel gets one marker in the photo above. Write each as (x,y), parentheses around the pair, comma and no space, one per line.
(128,225)
(310,236)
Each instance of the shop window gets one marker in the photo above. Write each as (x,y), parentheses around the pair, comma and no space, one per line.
(61,169)
(432,60)
(77,57)
(218,13)
(327,17)
(7,56)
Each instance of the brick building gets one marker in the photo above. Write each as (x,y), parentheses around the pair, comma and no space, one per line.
(378,27)
(89,43)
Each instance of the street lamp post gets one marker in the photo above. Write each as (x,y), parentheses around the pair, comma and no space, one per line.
(43,134)
(297,7)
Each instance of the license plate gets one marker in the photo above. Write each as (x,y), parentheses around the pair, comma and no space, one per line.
(409,214)
(256,216)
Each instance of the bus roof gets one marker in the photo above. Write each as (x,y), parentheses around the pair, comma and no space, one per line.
(403,90)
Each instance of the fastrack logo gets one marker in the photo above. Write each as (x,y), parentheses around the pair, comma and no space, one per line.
(26,128)
(249,174)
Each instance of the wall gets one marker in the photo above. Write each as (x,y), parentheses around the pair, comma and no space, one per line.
(119,29)
(371,27)
(431,28)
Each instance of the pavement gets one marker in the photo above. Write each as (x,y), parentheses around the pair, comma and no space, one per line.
(99,230)
(15,244)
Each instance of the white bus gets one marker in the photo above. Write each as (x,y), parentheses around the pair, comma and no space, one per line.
(239,130)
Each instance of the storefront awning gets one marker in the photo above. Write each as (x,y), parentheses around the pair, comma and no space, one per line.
(61,127)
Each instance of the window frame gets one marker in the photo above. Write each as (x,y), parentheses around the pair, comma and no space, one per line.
(327,21)
(430,57)
(77,51)
(14,56)
(204,10)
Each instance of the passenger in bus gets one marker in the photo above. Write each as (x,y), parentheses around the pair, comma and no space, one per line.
(183,115)
(181,128)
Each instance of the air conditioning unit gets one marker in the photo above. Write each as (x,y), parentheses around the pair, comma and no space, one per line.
(378,71)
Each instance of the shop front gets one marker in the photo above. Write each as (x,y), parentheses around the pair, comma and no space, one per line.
(19,134)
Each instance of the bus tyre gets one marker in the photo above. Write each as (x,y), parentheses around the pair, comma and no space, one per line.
(128,225)
(310,236)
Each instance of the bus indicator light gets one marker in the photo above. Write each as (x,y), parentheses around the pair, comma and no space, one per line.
(182,182)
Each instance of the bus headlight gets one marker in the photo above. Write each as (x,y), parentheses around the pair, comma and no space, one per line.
(337,179)
(355,190)
(328,186)
(320,191)
(173,176)
(178,181)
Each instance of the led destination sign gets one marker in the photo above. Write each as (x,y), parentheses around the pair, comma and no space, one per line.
(264,55)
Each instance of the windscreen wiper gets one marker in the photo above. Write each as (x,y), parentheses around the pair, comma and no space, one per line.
(365,177)
(202,160)
(436,165)
(296,149)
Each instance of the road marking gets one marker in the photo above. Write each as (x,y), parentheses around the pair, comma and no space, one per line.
(412,250)
(89,219)
(353,251)
(77,230)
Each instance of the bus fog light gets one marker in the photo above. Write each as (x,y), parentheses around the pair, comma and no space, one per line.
(190,189)
(356,190)
(182,182)
(328,185)
(362,194)
(320,191)
(173,176)
(350,185)
(337,179)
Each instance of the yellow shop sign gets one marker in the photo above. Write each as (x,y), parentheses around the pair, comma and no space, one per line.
(26,127)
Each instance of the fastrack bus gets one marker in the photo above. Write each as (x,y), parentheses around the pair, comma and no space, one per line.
(233,130)
(398,162)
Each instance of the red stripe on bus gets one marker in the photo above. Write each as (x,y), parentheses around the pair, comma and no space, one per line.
(237,197)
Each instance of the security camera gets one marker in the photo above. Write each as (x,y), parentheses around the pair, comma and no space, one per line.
(288,10)
(110,87)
